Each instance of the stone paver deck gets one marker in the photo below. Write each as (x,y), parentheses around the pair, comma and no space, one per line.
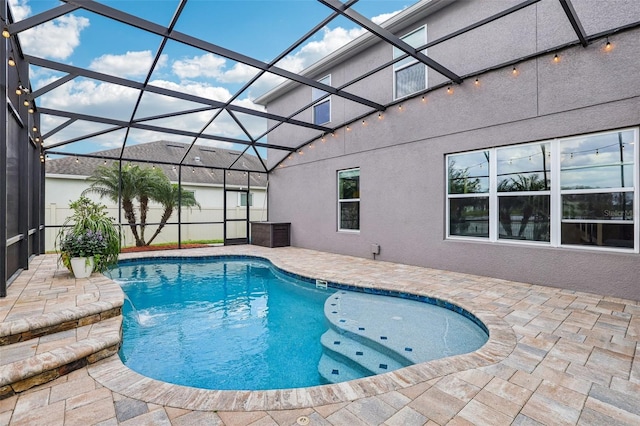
(554,357)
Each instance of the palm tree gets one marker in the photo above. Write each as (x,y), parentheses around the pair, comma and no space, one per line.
(170,196)
(134,183)
(109,182)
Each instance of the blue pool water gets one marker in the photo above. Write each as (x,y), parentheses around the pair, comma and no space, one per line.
(238,324)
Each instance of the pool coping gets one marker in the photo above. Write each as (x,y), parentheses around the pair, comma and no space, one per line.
(117,377)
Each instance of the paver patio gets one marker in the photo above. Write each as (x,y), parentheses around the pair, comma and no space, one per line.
(554,357)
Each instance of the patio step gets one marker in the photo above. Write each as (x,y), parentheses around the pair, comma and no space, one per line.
(38,360)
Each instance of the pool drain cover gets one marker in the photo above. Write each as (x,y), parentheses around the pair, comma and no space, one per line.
(303,420)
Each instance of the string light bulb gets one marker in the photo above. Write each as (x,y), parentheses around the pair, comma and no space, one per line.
(11,61)
(608,45)
(26,102)
(348,128)
(556,58)
(477,82)
(400,107)
(323,139)
(514,71)
(379,116)
(424,99)
(34,128)
(449,90)
(300,152)
(77,160)
(19,89)
(30,110)
(364,122)
(6,33)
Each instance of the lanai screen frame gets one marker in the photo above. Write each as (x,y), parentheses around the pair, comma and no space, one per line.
(168,33)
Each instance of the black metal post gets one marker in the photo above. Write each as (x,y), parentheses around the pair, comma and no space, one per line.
(224,207)
(3,159)
(180,206)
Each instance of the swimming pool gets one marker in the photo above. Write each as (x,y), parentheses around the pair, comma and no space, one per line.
(242,324)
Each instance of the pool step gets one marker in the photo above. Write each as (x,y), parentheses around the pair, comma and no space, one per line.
(45,358)
(335,371)
(345,350)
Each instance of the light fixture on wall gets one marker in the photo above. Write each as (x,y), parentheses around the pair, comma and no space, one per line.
(11,61)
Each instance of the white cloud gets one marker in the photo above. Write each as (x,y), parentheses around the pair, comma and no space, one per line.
(128,65)
(207,65)
(55,39)
(19,9)
(112,101)
(385,16)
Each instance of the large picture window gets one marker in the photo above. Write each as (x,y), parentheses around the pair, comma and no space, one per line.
(579,191)
(349,200)
(409,75)
(321,110)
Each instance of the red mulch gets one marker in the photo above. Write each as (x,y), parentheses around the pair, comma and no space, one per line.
(163,247)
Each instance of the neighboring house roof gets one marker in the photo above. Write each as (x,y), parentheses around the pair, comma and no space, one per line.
(170,152)
(396,23)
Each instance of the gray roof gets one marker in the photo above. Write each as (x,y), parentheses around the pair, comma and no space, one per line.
(193,170)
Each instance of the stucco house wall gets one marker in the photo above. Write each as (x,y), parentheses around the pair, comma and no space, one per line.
(402,156)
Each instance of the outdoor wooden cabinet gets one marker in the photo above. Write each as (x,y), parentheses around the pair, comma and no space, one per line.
(271,234)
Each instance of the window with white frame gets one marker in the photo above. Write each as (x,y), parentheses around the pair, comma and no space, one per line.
(349,200)
(410,75)
(579,192)
(243,197)
(322,109)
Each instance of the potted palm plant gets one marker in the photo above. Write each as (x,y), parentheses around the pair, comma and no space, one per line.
(88,239)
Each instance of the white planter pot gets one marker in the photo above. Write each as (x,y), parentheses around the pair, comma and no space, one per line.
(82,267)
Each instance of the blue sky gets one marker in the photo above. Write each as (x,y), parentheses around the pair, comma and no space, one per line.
(258,28)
